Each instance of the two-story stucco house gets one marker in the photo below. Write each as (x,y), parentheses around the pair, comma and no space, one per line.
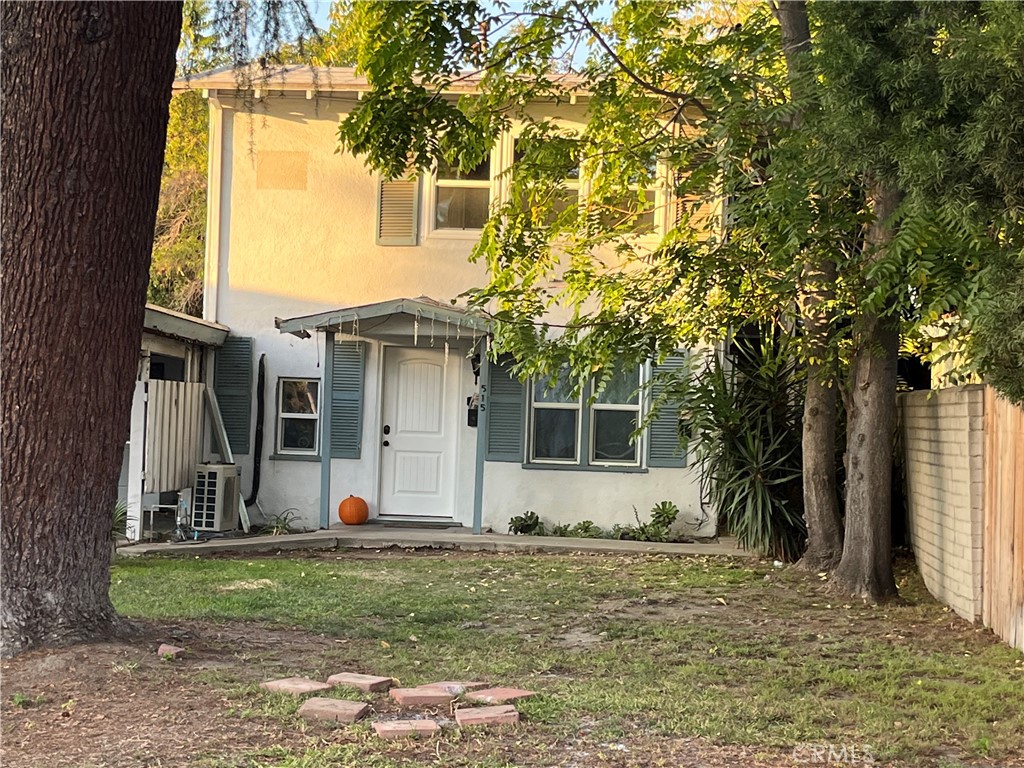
(375,384)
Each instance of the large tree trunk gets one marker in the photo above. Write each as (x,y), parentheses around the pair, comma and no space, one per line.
(816,292)
(866,566)
(85,94)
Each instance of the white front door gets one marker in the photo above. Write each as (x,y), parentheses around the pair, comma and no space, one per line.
(419,426)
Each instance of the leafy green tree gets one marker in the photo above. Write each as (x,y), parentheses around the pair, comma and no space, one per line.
(840,161)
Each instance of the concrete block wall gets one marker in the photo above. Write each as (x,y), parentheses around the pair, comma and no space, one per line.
(943,435)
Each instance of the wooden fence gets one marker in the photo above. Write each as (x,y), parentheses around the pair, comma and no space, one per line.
(1003,565)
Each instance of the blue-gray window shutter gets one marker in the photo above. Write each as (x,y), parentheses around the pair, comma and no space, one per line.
(663,447)
(398,211)
(232,383)
(347,399)
(504,413)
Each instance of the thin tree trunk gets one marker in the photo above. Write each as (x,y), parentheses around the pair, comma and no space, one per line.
(817,278)
(85,94)
(866,566)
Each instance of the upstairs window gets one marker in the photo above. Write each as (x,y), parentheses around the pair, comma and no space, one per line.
(462,200)
(560,156)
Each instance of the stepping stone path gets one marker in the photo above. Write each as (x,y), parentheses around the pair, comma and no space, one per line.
(439,694)
(338,710)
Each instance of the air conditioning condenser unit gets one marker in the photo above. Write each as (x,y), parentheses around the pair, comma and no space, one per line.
(215,497)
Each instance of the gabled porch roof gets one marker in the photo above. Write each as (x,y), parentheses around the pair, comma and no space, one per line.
(389,320)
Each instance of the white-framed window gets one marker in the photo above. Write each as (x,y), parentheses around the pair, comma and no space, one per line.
(614,417)
(555,422)
(645,203)
(570,188)
(298,416)
(461,200)
(563,430)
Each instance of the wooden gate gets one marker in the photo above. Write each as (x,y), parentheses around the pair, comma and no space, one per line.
(1003,568)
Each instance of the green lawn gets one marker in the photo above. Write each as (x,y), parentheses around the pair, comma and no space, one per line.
(634,654)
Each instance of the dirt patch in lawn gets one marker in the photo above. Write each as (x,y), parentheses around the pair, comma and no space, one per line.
(120,705)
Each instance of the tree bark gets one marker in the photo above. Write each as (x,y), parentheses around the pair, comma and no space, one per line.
(866,566)
(816,293)
(86,88)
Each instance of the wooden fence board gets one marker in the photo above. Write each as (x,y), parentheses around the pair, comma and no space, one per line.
(1003,566)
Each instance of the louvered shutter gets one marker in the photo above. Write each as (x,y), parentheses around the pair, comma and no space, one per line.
(398,211)
(663,448)
(504,413)
(347,399)
(706,219)
(232,383)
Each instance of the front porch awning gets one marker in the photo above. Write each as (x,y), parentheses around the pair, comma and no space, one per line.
(395,320)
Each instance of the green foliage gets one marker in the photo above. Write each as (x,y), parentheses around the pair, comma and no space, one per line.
(526,524)
(998,338)
(746,418)
(282,524)
(585,529)
(119,522)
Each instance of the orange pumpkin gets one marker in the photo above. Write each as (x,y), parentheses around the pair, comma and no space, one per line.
(353,511)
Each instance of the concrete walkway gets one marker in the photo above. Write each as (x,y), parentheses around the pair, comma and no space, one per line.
(383,537)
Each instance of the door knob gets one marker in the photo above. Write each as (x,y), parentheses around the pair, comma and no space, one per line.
(386,443)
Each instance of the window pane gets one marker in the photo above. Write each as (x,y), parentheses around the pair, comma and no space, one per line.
(460,208)
(624,211)
(560,391)
(556,156)
(612,430)
(621,388)
(554,434)
(298,434)
(481,173)
(299,396)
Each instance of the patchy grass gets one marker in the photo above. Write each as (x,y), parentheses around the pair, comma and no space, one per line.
(640,652)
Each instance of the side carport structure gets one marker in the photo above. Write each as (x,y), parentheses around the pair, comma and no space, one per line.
(167,422)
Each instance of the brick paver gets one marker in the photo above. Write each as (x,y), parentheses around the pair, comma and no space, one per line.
(364,683)
(500,715)
(166,650)
(338,710)
(401,729)
(297,686)
(498,695)
(424,696)
(457,687)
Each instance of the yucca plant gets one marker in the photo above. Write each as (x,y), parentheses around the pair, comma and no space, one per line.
(743,411)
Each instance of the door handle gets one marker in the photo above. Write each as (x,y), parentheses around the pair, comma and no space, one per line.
(386,443)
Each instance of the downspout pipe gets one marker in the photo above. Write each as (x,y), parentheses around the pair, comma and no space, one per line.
(261,386)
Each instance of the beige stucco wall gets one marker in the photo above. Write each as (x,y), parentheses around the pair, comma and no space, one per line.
(943,439)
